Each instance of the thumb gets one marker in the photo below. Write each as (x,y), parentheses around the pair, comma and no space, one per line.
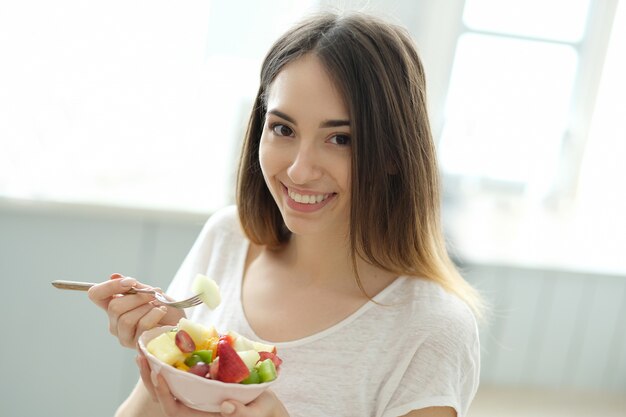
(229,408)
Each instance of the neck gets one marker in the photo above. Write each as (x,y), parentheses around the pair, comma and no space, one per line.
(320,259)
(328,263)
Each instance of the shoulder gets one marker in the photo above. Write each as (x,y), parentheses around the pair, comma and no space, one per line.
(439,334)
(222,224)
(225,219)
(438,309)
(437,323)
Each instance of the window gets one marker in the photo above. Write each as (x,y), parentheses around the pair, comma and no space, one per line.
(138,104)
(509,97)
(530,134)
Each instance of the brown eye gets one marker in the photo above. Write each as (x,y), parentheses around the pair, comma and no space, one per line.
(282,130)
(343,140)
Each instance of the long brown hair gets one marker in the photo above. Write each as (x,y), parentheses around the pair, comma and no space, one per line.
(376,67)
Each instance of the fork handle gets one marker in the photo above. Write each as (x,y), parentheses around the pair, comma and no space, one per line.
(72,285)
(84,286)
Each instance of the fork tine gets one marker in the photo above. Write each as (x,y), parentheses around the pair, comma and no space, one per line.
(194,301)
(190,302)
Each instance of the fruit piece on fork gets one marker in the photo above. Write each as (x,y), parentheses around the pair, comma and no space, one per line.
(208,290)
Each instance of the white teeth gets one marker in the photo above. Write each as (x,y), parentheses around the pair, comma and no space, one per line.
(307,198)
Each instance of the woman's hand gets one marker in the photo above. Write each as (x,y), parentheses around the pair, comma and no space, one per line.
(266,405)
(130,314)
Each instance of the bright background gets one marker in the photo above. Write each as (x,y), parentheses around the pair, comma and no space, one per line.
(120,125)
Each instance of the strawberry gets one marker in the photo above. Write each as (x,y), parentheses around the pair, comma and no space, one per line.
(231,367)
(265,355)
(184,342)
(227,338)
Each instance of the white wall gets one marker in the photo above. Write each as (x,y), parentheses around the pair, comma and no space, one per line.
(56,356)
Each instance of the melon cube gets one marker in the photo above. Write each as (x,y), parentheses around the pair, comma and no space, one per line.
(207,290)
(267,370)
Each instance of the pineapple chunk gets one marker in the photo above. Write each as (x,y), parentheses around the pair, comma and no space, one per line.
(165,349)
(200,334)
(212,345)
(181,366)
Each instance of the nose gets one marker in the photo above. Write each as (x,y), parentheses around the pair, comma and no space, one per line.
(305,165)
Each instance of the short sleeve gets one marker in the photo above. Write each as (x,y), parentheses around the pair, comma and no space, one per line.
(444,368)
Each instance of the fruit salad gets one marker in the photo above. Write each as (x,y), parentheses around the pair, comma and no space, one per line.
(202,351)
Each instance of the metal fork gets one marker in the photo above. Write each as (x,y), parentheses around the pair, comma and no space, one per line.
(84,286)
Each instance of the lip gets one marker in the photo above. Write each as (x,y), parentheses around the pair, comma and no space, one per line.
(305,207)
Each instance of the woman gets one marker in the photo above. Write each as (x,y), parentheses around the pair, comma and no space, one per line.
(334,252)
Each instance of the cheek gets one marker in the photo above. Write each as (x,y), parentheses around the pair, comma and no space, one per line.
(345,174)
(263,159)
(266,161)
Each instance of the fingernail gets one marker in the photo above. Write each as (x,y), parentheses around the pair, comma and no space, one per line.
(227,408)
(128,282)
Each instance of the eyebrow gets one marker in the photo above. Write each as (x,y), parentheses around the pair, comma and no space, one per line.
(324,124)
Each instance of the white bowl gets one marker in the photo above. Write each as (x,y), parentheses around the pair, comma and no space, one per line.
(196,392)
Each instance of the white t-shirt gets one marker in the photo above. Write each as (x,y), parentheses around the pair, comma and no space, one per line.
(418,348)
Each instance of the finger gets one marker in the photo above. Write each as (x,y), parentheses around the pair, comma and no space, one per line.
(144,372)
(125,325)
(228,408)
(121,305)
(150,320)
(172,407)
(102,293)
(168,403)
(264,405)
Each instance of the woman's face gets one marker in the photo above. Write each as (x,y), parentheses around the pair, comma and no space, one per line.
(305,149)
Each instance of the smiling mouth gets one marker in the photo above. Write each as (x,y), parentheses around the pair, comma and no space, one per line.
(307,198)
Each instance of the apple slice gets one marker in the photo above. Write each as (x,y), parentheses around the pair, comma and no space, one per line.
(240,343)
(207,290)
(249,357)
(263,347)
(231,367)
